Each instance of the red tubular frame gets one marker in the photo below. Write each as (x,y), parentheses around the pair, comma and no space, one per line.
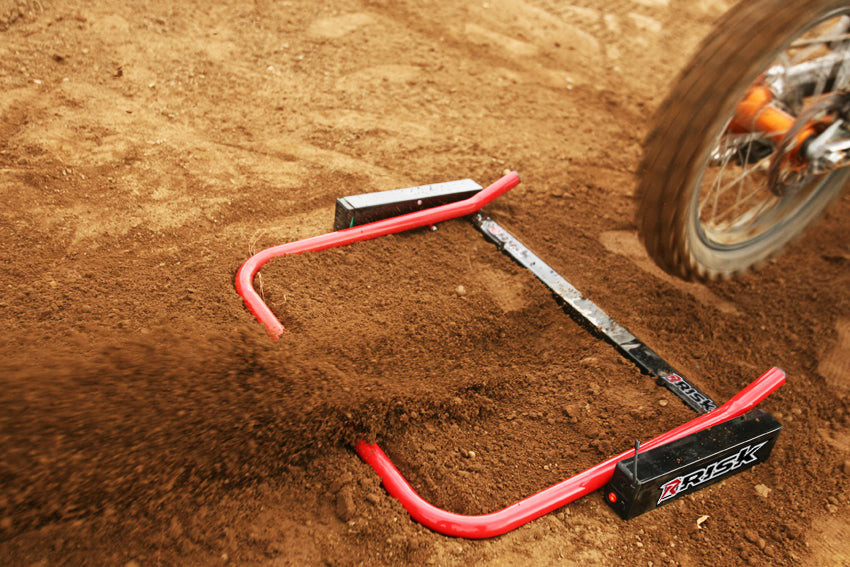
(245,275)
(536,505)
(557,495)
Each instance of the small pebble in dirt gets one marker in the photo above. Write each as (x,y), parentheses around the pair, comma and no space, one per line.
(460,290)
(793,531)
(751,535)
(373,498)
(769,551)
(175,529)
(471,454)
(846,467)
(662,403)
(763,490)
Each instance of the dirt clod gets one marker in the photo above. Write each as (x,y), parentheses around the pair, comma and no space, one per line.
(345,509)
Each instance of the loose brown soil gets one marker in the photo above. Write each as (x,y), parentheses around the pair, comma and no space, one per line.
(148,148)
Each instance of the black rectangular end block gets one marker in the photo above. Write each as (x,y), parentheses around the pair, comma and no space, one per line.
(671,471)
(370,207)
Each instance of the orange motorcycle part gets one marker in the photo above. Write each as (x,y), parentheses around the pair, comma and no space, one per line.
(756,113)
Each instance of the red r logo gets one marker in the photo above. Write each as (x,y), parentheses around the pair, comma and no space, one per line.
(670,489)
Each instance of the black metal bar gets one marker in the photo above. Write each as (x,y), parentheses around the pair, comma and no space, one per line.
(360,209)
(597,321)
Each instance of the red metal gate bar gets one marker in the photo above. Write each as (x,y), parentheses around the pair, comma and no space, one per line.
(245,275)
(557,495)
(519,513)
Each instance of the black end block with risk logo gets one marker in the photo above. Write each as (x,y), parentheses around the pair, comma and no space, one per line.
(684,466)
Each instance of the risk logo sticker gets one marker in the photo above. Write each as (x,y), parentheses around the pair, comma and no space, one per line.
(690,391)
(679,485)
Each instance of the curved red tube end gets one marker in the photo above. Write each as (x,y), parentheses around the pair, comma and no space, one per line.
(252,300)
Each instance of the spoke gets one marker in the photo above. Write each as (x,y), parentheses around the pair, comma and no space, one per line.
(715,193)
(820,40)
(744,177)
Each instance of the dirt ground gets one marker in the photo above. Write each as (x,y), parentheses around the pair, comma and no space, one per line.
(148,148)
